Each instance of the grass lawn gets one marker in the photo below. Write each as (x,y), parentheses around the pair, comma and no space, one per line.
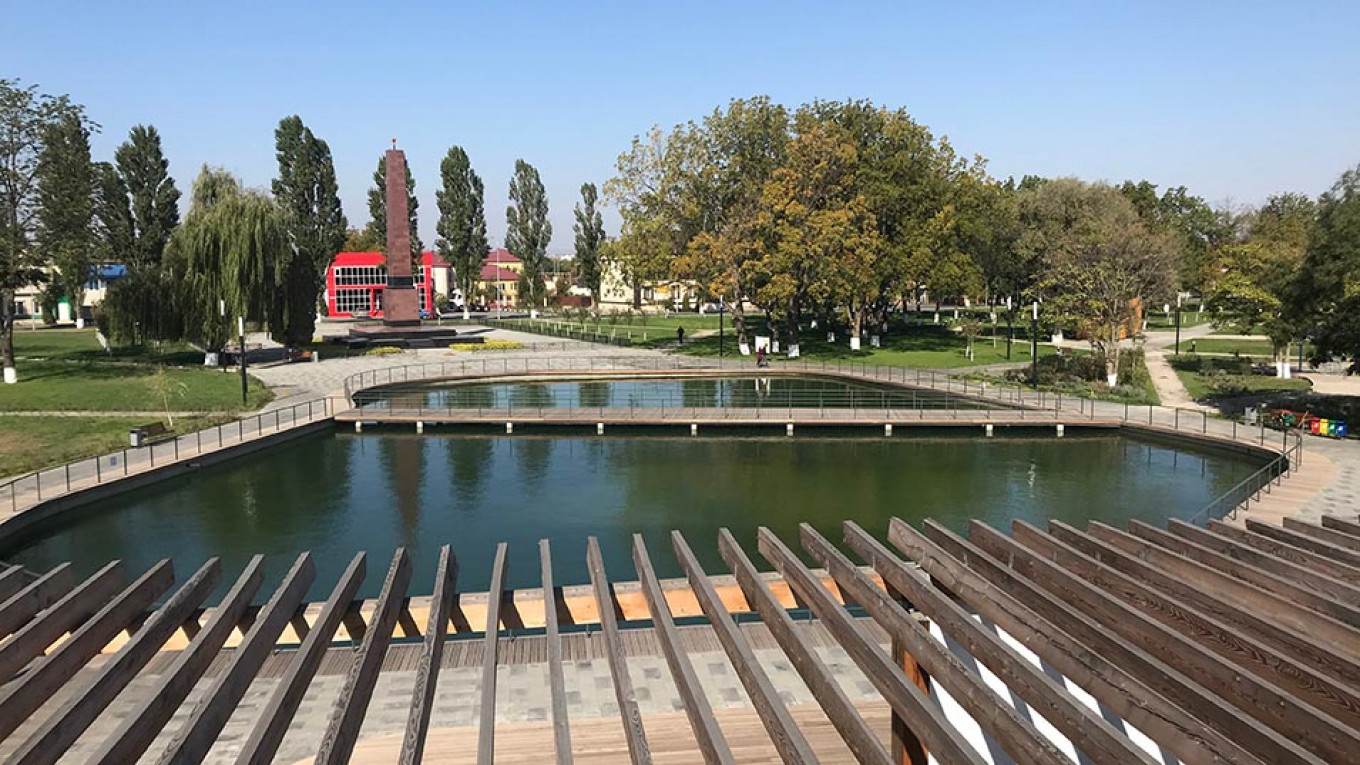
(31,443)
(85,386)
(1233,329)
(1158,320)
(920,348)
(81,345)
(1219,345)
(1209,378)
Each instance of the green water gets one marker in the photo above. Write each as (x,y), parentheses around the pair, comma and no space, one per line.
(750,391)
(338,493)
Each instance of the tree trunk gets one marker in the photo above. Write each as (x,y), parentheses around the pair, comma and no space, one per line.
(7,336)
(739,324)
(856,324)
(637,296)
(1112,358)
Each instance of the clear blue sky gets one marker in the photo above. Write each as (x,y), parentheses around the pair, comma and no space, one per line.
(1235,100)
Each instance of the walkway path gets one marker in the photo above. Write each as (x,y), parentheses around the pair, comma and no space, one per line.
(1169,387)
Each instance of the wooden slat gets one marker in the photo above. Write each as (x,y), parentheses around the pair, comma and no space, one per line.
(1190,740)
(352,703)
(774,715)
(41,593)
(1310,543)
(12,580)
(141,727)
(193,740)
(997,716)
(1191,609)
(64,726)
(618,665)
(1348,526)
(922,716)
(863,742)
(1330,536)
(21,699)
(431,654)
(1250,693)
(1242,553)
(712,745)
(486,738)
(1265,744)
(1083,725)
(269,730)
(556,681)
(1242,583)
(1283,550)
(59,618)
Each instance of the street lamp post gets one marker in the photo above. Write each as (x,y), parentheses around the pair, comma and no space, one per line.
(245,384)
(1178,324)
(1010,328)
(1034,346)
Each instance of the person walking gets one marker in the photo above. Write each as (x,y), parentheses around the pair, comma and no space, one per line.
(680,335)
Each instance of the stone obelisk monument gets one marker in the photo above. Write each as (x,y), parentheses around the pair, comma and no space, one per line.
(401,305)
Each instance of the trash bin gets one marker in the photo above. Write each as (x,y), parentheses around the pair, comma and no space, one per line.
(316,357)
(1341,430)
(1250,415)
(135,436)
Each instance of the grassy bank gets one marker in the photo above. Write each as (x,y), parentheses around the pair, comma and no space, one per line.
(30,443)
(81,345)
(90,386)
(1207,378)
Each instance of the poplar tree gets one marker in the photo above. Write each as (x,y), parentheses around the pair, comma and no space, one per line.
(66,194)
(527,228)
(377,209)
(153,198)
(589,229)
(462,221)
(309,199)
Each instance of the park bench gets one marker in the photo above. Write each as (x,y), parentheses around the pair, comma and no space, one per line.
(143,435)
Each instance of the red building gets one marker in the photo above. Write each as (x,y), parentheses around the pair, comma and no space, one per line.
(355,283)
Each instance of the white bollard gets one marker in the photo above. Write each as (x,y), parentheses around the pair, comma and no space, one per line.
(358,427)
(788,429)
(599,428)
(694,428)
(988,429)
(509,427)
(887,429)
(420,426)
(1060,430)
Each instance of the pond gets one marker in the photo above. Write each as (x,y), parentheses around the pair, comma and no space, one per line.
(749,391)
(338,493)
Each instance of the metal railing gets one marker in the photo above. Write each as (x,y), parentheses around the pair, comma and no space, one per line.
(1240,497)
(24,491)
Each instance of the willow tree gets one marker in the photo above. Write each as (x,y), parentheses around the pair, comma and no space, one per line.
(231,258)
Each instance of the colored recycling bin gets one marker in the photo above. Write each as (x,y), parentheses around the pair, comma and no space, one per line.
(1340,430)
(1315,426)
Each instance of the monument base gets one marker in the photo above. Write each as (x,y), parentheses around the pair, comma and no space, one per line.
(403,336)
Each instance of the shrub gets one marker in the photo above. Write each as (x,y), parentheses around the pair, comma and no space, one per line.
(489,345)
(383,350)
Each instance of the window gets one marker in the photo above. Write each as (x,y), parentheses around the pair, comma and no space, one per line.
(352,301)
(352,276)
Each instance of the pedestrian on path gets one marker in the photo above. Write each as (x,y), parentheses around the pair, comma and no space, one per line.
(680,335)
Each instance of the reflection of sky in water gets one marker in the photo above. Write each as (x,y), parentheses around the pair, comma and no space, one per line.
(802,392)
(337,494)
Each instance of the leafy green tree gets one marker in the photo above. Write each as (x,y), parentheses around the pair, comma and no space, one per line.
(1327,293)
(1196,228)
(307,193)
(377,210)
(589,230)
(115,228)
(154,200)
(1098,259)
(361,240)
(528,230)
(462,221)
(25,115)
(233,251)
(66,189)
(1249,280)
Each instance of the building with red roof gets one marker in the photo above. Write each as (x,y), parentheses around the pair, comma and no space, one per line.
(356,281)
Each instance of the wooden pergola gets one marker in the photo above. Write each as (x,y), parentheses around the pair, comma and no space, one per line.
(1146,645)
